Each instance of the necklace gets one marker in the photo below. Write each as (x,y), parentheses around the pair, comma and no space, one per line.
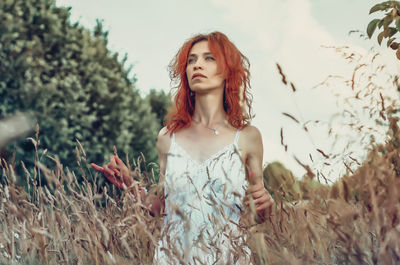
(216,132)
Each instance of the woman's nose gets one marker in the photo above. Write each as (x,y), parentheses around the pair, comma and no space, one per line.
(198,65)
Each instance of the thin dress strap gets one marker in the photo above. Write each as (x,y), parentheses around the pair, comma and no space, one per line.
(236,140)
(173,138)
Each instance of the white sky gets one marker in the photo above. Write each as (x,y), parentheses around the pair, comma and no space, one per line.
(289,32)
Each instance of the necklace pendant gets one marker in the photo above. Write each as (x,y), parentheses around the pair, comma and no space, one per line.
(216,132)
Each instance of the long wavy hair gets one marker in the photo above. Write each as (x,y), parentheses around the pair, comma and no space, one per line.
(237,99)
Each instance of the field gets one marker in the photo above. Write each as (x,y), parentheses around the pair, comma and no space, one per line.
(72,221)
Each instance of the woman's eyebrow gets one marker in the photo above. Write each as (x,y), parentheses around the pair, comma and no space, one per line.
(204,54)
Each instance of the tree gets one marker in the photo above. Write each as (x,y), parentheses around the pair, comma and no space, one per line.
(160,102)
(390,23)
(66,77)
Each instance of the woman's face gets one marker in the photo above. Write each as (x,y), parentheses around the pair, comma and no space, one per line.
(202,70)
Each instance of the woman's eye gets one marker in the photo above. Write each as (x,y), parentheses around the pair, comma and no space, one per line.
(209,58)
(191,60)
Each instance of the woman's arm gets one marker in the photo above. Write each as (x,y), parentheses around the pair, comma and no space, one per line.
(156,203)
(119,174)
(253,146)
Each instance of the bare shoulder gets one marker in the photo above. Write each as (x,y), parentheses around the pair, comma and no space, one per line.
(163,141)
(251,133)
(250,142)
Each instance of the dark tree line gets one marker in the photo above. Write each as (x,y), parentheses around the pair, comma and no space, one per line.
(73,86)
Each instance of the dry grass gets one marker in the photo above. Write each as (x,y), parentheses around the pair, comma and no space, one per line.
(354,221)
(68,222)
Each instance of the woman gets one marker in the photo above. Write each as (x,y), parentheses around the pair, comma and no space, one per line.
(206,150)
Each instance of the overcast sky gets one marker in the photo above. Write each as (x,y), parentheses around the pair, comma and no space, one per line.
(289,32)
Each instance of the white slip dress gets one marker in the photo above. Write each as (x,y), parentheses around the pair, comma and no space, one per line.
(203,203)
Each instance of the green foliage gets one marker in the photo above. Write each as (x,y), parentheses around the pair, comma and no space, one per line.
(384,6)
(391,17)
(372,26)
(281,183)
(65,76)
(160,102)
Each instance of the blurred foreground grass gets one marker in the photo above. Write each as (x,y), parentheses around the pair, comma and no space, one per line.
(355,221)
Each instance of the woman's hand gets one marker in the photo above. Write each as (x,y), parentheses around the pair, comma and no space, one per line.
(119,175)
(262,199)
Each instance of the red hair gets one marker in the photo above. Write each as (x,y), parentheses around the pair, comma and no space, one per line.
(232,63)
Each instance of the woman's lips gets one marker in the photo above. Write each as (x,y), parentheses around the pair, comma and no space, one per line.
(198,75)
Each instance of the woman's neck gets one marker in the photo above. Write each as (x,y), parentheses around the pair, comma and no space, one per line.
(209,109)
